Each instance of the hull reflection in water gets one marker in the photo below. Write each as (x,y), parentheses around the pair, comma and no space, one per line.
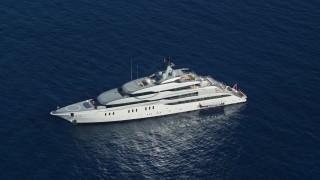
(152,146)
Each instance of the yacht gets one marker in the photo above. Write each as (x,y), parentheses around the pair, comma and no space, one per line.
(168,91)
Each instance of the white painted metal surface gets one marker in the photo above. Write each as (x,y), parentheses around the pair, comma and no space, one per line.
(175,94)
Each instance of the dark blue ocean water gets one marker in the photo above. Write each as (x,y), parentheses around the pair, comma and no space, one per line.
(59,52)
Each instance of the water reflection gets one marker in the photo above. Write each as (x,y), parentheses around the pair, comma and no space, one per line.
(176,143)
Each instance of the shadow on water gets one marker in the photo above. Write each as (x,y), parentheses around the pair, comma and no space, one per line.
(175,143)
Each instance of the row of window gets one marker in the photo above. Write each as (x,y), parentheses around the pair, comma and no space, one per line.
(183,96)
(170,98)
(120,90)
(124,104)
(174,103)
(132,110)
(179,89)
(141,94)
(199,99)
(109,113)
(136,110)
(146,108)
(147,93)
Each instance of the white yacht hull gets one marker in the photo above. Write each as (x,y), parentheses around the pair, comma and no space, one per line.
(165,92)
(146,110)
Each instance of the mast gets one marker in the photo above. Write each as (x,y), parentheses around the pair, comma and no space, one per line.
(137,71)
(131,70)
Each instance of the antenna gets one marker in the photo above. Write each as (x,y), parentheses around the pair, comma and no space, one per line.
(131,69)
(137,71)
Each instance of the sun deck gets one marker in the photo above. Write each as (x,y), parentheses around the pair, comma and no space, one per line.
(186,78)
(146,82)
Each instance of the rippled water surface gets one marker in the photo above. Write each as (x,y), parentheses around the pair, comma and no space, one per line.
(60,52)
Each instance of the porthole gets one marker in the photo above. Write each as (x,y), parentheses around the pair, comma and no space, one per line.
(149,108)
(109,114)
(146,108)
(136,110)
(152,107)
(132,110)
(113,113)
(105,114)
(128,111)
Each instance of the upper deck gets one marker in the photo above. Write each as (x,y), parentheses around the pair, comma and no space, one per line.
(163,80)
(134,86)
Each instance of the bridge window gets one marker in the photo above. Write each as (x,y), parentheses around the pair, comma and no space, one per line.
(121,92)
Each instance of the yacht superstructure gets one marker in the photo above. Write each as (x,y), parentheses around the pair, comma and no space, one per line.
(168,91)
